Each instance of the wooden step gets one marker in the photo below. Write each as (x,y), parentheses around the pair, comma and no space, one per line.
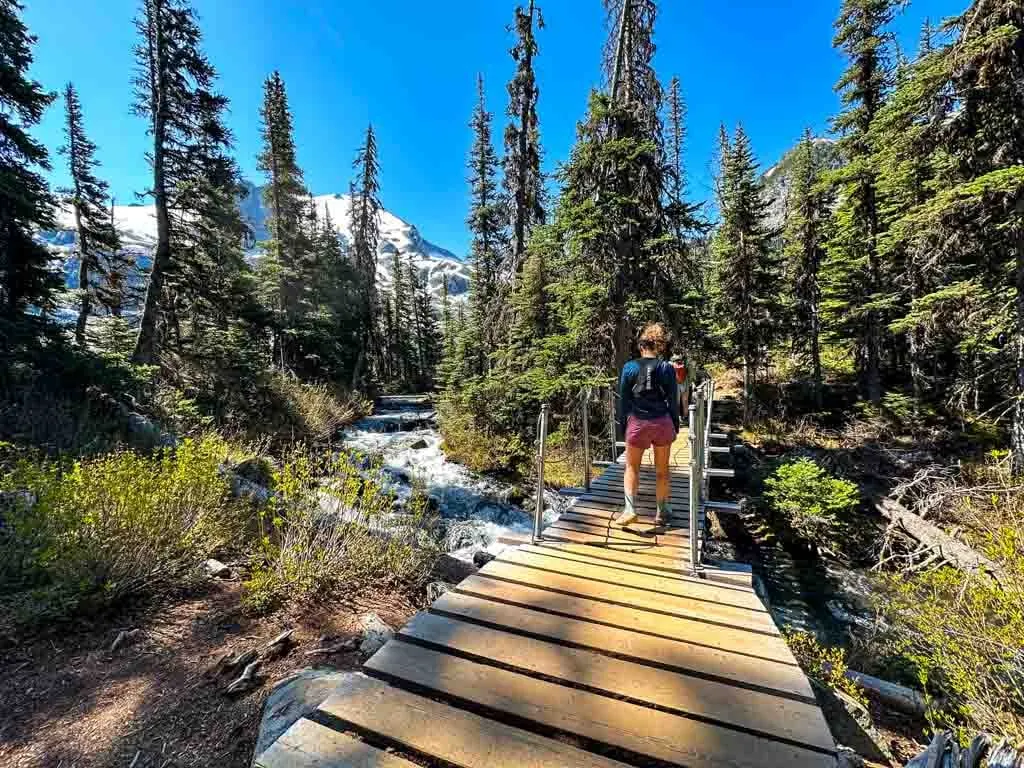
(696,588)
(638,533)
(691,606)
(449,733)
(630,555)
(310,745)
(673,533)
(678,655)
(770,715)
(597,718)
(738,641)
(670,557)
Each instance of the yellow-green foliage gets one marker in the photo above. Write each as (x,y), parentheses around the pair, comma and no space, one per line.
(331,527)
(812,500)
(107,528)
(824,663)
(964,636)
(305,411)
(477,448)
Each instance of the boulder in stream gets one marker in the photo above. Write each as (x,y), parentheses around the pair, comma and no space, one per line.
(376,633)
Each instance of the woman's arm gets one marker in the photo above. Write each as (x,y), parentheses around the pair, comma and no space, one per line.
(626,381)
(672,385)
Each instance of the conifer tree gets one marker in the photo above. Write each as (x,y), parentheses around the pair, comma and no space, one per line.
(96,240)
(398,341)
(365,239)
(489,239)
(855,272)
(808,209)
(523,179)
(745,262)
(25,200)
(173,81)
(285,197)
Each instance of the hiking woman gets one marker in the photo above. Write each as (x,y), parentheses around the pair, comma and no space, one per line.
(649,412)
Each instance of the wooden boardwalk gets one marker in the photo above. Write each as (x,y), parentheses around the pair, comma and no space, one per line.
(594,647)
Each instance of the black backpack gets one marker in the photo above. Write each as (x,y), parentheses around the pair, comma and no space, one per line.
(647,385)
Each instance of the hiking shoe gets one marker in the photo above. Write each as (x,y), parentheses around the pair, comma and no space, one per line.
(660,518)
(626,518)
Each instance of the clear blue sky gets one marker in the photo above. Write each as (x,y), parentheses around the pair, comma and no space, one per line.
(410,66)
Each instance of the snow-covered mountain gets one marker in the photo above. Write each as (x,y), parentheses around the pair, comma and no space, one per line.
(777,178)
(137,226)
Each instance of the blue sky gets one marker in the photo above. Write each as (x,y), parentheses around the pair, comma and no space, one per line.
(410,68)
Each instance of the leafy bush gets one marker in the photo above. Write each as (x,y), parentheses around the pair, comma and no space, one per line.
(824,663)
(332,526)
(811,499)
(84,536)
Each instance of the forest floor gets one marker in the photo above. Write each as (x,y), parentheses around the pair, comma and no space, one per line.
(69,701)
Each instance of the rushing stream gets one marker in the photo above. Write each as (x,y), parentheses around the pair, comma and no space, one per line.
(476,510)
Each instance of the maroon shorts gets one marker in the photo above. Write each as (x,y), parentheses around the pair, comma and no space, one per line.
(643,433)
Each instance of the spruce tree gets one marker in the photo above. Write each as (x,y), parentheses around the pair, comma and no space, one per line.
(365,240)
(398,341)
(173,79)
(489,239)
(97,244)
(855,273)
(808,209)
(745,261)
(523,179)
(285,197)
(26,280)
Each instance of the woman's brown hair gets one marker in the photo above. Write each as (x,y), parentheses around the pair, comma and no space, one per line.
(655,338)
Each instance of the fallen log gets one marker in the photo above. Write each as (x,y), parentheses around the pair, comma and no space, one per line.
(949,549)
(898,697)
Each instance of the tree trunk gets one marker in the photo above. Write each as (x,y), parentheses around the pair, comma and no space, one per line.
(1017,427)
(83,278)
(874,336)
(816,357)
(145,346)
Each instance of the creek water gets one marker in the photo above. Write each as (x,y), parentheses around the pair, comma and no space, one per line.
(476,510)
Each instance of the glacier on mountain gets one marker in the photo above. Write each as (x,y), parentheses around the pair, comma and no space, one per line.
(137,227)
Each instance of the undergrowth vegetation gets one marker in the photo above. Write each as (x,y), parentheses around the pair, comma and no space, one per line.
(81,537)
(332,526)
(823,663)
(814,503)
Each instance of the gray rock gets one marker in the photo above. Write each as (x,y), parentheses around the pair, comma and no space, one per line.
(376,634)
(481,558)
(294,697)
(435,589)
(217,569)
(419,445)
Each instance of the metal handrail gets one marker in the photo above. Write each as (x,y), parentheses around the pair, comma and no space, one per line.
(542,438)
(700,434)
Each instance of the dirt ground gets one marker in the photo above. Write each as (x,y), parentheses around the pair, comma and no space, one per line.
(70,702)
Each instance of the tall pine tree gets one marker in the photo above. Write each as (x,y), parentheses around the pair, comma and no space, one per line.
(365,213)
(855,299)
(489,239)
(745,262)
(524,182)
(26,280)
(97,244)
(808,210)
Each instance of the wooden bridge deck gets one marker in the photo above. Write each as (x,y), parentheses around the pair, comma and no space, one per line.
(593,648)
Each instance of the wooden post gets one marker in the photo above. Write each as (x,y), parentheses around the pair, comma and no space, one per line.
(695,477)
(586,440)
(542,436)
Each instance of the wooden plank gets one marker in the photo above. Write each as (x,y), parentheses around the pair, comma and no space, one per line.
(669,559)
(770,715)
(672,627)
(680,507)
(594,556)
(629,555)
(629,533)
(676,520)
(454,735)
(310,745)
(691,588)
(648,732)
(690,607)
(672,533)
(678,655)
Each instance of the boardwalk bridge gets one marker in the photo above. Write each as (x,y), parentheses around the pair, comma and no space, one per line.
(588,646)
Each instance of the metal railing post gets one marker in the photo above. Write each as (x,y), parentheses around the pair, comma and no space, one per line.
(612,427)
(586,440)
(542,437)
(695,477)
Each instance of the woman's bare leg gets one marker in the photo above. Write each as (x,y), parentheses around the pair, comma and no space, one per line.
(662,454)
(631,484)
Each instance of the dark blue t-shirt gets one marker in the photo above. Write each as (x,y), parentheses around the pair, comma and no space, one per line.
(648,407)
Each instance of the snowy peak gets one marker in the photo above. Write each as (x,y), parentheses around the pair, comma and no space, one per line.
(137,226)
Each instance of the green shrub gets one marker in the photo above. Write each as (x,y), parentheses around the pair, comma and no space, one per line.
(332,527)
(824,663)
(84,536)
(811,499)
